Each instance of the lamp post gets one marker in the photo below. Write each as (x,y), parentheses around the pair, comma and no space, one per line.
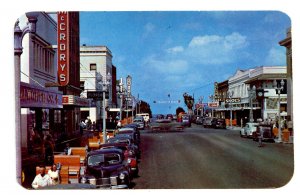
(252,93)
(278,89)
(229,95)
(105,82)
(211,97)
(121,93)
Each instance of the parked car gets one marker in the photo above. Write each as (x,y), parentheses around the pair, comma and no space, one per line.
(107,168)
(169,116)
(186,120)
(267,133)
(125,138)
(140,122)
(199,120)
(220,123)
(209,122)
(129,154)
(248,130)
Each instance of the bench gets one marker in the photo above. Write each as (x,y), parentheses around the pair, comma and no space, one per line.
(70,167)
(94,143)
(81,151)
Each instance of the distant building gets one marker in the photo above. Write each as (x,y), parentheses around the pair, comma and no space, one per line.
(95,64)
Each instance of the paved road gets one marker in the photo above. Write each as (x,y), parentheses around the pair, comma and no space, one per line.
(199,158)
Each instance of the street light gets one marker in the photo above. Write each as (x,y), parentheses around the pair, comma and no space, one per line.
(105,82)
(278,89)
(121,93)
(229,95)
(252,94)
(211,97)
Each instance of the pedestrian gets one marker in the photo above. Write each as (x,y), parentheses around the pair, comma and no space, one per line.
(67,149)
(260,137)
(94,126)
(54,174)
(49,149)
(42,179)
(81,126)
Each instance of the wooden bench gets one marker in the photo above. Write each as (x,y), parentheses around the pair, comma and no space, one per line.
(70,167)
(81,151)
(93,143)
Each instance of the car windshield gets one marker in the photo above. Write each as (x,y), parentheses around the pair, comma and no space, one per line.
(111,158)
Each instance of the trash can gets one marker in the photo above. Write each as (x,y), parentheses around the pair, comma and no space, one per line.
(285,135)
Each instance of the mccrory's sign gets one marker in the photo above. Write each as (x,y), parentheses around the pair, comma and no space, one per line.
(63,48)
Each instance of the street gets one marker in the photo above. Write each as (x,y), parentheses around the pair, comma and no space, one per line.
(199,158)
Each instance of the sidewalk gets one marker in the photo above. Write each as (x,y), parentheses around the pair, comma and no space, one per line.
(30,161)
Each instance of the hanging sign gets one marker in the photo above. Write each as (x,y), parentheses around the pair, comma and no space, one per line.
(63,48)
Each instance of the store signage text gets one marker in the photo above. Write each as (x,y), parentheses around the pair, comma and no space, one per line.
(233,100)
(32,97)
(63,48)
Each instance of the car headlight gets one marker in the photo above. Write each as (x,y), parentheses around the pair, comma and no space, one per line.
(131,152)
(122,176)
(83,180)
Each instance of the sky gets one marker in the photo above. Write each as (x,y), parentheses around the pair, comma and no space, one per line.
(173,52)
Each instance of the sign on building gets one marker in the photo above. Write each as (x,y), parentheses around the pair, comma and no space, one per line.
(97,95)
(63,48)
(232,100)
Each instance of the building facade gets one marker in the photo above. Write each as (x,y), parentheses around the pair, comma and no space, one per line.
(287,42)
(239,95)
(41,107)
(95,65)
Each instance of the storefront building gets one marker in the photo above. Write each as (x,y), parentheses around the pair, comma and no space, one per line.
(239,95)
(96,64)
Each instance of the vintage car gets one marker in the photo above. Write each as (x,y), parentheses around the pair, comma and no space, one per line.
(248,130)
(266,131)
(209,122)
(129,154)
(107,168)
(186,120)
(133,133)
(220,123)
(125,138)
(140,122)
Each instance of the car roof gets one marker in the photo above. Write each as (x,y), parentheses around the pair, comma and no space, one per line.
(126,129)
(105,151)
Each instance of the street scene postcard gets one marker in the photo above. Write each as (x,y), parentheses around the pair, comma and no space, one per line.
(154,100)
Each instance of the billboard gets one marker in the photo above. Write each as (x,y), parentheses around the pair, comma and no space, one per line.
(63,48)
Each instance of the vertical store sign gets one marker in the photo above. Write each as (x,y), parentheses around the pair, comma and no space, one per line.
(63,48)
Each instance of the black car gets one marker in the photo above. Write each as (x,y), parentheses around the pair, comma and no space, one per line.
(267,133)
(107,168)
(220,123)
(125,138)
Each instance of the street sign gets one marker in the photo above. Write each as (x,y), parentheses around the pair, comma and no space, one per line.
(97,95)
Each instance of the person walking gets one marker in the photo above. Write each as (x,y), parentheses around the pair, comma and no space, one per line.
(260,137)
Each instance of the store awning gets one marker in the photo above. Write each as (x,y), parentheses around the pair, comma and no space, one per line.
(32,96)
(72,100)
